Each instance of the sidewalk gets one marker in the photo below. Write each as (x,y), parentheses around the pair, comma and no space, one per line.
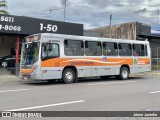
(7,75)
(8,78)
(151,73)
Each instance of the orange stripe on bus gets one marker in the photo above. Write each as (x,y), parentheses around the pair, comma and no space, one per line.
(26,71)
(62,62)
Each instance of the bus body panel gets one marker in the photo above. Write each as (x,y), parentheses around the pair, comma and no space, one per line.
(96,66)
(86,66)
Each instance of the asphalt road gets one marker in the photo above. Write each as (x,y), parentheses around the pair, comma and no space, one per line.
(135,94)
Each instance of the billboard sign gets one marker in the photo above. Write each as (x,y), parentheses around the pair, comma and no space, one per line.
(26,25)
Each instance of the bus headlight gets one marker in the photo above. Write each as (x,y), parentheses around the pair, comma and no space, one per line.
(35,68)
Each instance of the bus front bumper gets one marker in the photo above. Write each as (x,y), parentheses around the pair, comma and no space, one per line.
(33,77)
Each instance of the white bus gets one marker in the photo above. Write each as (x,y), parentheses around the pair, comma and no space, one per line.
(48,56)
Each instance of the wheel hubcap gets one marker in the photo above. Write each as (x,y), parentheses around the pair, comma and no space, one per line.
(124,73)
(69,76)
(4,64)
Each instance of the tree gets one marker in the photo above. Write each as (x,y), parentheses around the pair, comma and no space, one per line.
(3,6)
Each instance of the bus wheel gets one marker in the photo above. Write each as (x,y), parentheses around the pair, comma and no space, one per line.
(124,73)
(68,76)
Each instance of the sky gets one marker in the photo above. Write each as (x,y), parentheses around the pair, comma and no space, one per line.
(91,13)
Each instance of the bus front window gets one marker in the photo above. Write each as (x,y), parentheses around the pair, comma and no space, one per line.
(30,53)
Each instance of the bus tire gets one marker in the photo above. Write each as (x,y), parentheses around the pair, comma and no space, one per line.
(124,73)
(68,76)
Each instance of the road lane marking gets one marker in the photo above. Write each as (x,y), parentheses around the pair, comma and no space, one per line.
(13,90)
(43,106)
(154,92)
(107,83)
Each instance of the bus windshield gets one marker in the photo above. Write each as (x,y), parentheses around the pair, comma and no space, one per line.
(30,53)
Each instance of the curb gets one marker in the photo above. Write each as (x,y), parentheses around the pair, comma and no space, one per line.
(145,74)
(8,76)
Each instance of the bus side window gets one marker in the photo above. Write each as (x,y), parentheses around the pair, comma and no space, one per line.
(86,44)
(73,47)
(115,49)
(129,50)
(143,50)
(135,53)
(119,49)
(104,49)
(125,49)
(93,48)
(99,49)
(66,43)
(109,48)
(138,50)
(89,50)
(86,48)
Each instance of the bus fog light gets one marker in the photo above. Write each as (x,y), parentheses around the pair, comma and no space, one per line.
(35,75)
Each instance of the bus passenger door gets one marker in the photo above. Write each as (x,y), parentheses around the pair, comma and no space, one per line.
(50,56)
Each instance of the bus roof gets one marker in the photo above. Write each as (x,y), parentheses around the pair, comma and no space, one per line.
(88,38)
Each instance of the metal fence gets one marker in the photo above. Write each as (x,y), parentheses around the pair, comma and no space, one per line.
(155,52)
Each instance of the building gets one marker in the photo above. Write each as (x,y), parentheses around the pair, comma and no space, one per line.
(124,31)
(134,31)
(14,28)
(91,33)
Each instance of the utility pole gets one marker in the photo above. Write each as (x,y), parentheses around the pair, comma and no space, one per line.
(65,5)
(158,16)
(110,23)
(50,10)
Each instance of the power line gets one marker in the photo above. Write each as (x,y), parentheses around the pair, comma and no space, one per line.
(50,11)
(65,5)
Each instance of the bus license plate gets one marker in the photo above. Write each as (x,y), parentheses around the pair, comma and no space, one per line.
(25,77)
